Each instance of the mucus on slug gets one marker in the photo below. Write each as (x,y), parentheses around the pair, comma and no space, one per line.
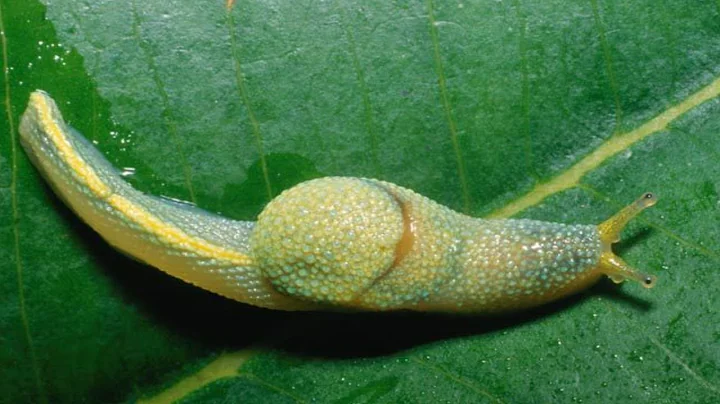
(334,242)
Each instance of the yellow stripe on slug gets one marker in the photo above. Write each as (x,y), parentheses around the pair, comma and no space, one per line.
(188,243)
(132,211)
(39,101)
(173,235)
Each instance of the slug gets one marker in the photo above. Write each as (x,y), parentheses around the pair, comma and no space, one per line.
(331,243)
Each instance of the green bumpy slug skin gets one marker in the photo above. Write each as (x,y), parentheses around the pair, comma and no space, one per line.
(331,243)
(206,250)
(311,242)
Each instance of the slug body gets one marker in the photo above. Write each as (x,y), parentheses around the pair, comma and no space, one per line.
(331,243)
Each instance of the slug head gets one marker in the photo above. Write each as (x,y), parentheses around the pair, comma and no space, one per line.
(612,265)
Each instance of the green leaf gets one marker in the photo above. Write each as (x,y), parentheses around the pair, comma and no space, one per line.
(553,110)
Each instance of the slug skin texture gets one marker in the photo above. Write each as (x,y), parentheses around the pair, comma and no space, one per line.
(331,243)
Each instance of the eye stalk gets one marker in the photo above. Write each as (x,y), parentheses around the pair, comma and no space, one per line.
(612,265)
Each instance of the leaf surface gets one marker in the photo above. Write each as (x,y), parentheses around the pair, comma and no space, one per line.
(538,109)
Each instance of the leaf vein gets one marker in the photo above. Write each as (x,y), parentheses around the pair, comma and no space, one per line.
(169,117)
(245,98)
(571,177)
(525,93)
(455,378)
(17,255)
(607,56)
(445,100)
(367,105)
(265,383)
(224,366)
(673,357)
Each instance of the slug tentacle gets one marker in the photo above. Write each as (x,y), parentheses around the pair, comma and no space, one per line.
(335,242)
(612,265)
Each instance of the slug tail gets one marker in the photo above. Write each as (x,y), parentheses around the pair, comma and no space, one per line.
(186,242)
(612,265)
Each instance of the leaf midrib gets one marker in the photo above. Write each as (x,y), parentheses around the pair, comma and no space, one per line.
(571,177)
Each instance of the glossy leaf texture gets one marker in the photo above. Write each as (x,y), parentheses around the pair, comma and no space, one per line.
(553,110)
